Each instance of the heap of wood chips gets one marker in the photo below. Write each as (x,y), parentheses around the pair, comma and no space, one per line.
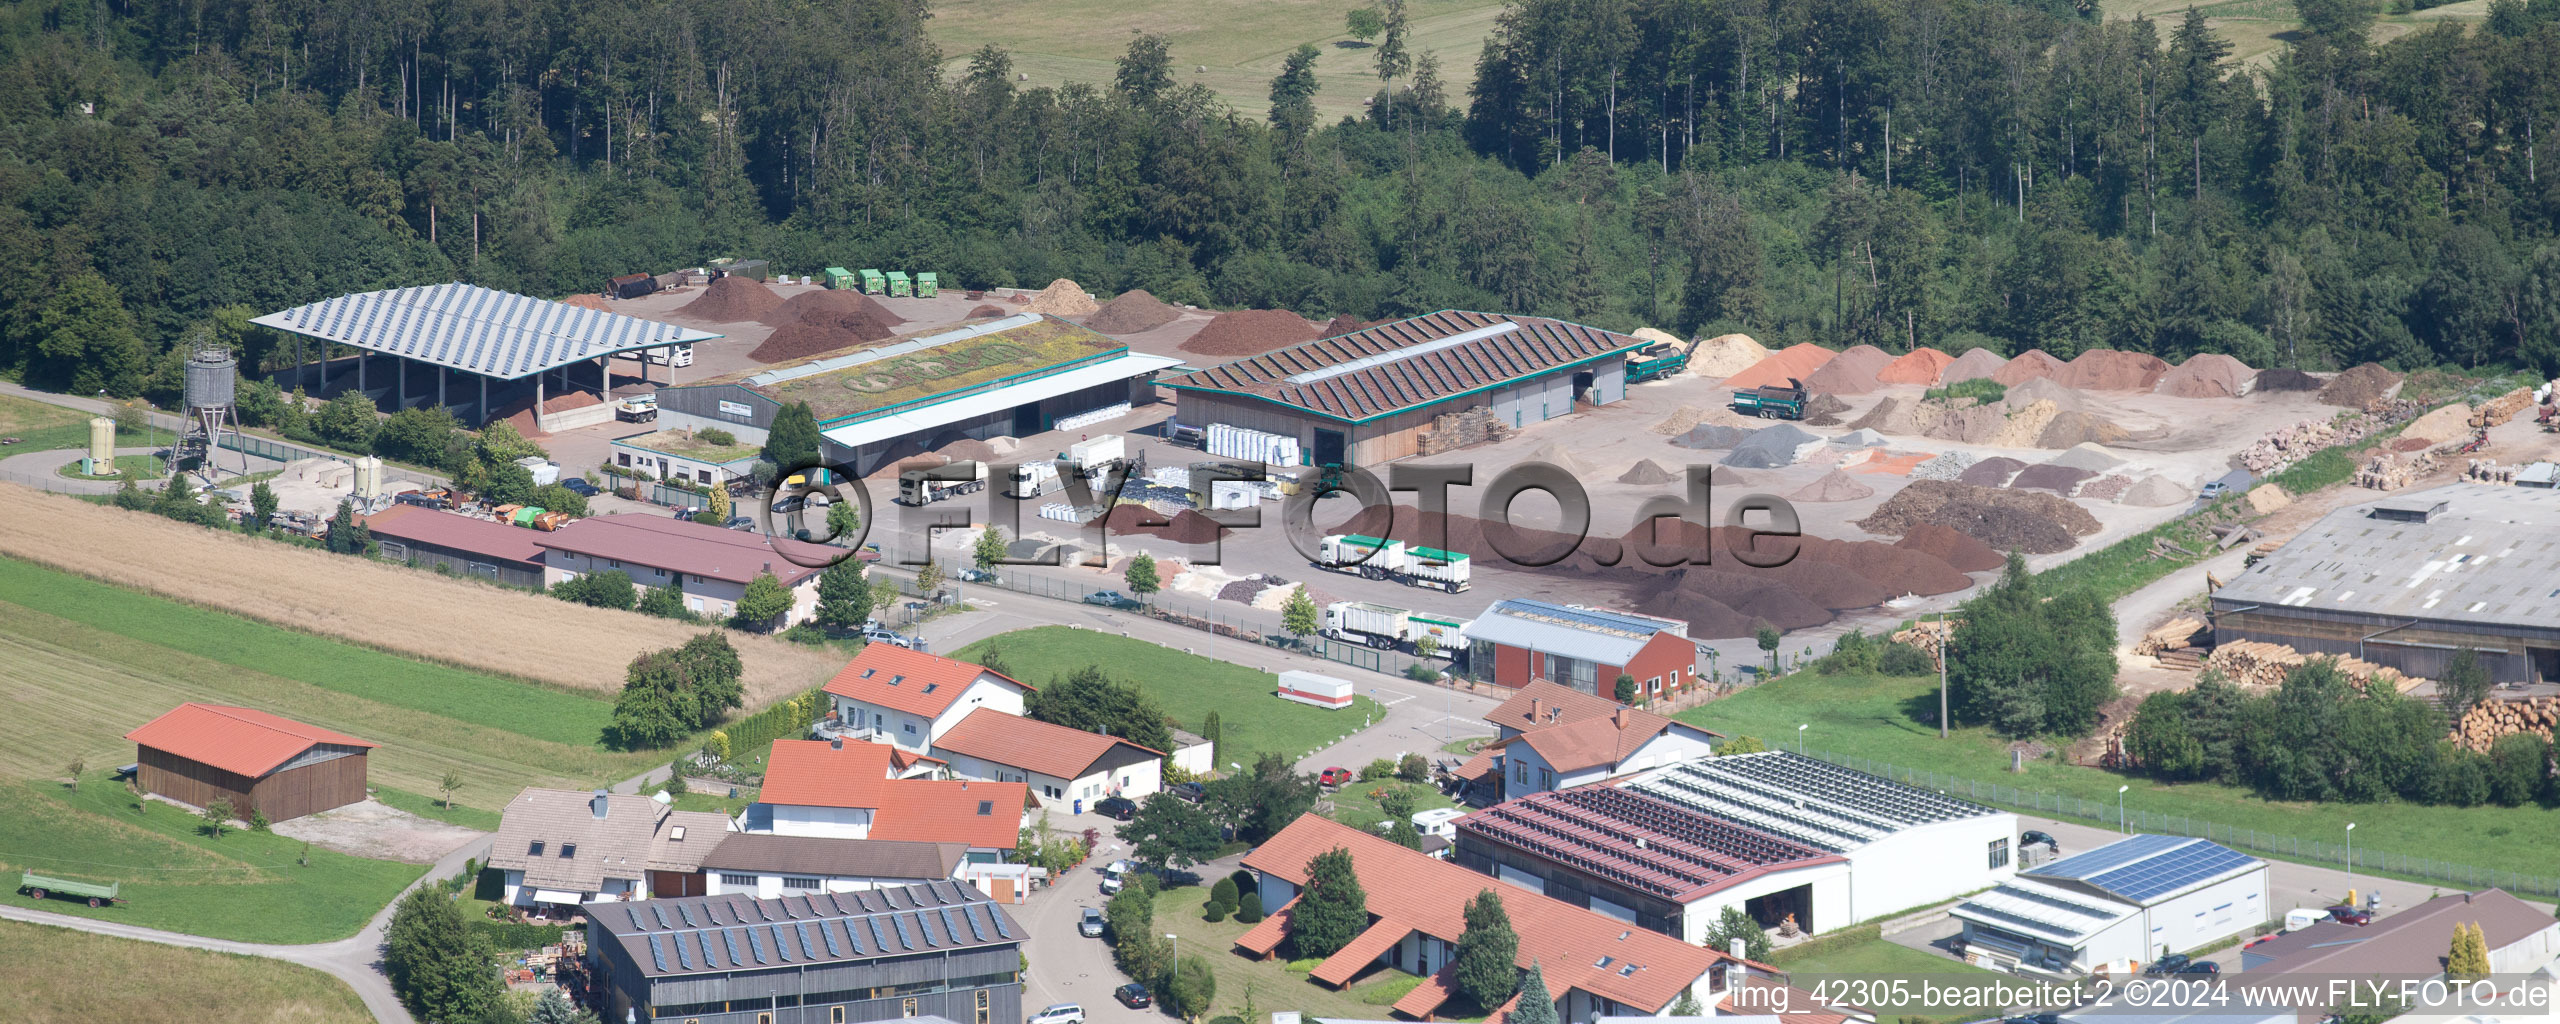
(2254,663)
(2498,410)
(1930,637)
(2490,719)
(2178,635)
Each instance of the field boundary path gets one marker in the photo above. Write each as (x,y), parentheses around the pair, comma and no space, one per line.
(356,960)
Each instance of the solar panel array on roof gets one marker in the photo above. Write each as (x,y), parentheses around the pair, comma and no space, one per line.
(2147,867)
(1636,839)
(1408,363)
(2111,856)
(922,920)
(476,329)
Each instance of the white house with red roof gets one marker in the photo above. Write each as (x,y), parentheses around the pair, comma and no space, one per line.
(1552,736)
(1057,762)
(839,790)
(889,694)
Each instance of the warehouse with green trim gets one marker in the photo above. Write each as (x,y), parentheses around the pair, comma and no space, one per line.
(1379,394)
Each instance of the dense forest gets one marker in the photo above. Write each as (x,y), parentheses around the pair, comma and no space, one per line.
(1948,172)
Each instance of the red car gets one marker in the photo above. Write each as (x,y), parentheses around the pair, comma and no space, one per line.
(2345,914)
(1334,777)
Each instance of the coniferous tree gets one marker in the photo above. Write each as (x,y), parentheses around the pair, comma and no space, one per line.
(1333,908)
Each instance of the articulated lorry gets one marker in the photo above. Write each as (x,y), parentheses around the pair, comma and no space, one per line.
(1388,628)
(1380,559)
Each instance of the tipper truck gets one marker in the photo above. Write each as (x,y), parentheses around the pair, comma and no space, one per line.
(1379,559)
(1387,628)
(914,489)
(1771,401)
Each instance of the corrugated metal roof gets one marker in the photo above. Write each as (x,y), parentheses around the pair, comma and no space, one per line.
(823,928)
(1407,363)
(1810,801)
(475,329)
(1590,634)
(2491,556)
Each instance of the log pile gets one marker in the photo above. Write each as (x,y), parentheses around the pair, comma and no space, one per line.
(2502,408)
(2287,445)
(1930,637)
(2178,635)
(2488,471)
(2256,663)
(2490,719)
(1455,430)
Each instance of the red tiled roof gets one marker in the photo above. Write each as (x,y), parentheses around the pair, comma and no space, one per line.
(899,679)
(1267,935)
(242,741)
(1425,999)
(1791,1005)
(1594,742)
(1356,956)
(694,549)
(1477,767)
(813,773)
(1421,893)
(460,532)
(1537,346)
(1032,745)
(1556,704)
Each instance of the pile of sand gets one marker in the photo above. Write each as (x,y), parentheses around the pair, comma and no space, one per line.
(2025,427)
(731,300)
(2207,375)
(587,300)
(967,450)
(2106,369)
(1680,420)
(1134,311)
(1795,362)
(1833,486)
(2360,387)
(2041,389)
(829,305)
(1921,366)
(1645,471)
(1251,332)
(2071,428)
(2154,492)
(1956,549)
(1852,372)
(2086,456)
(986,311)
(1772,447)
(1725,355)
(2286,380)
(1657,336)
(2451,423)
(1974,364)
(2034,522)
(2267,498)
(2027,366)
(1711,435)
(1555,455)
(1063,298)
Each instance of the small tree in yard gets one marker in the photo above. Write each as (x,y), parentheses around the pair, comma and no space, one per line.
(929,579)
(1734,924)
(1767,637)
(2465,682)
(438,968)
(1741,745)
(262,503)
(764,603)
(554,1008)
(1687,1005)
(1222,898)
(1332,910)
(675,778)
(844,521)
(1249,907)
(989,550)
(1626,689)
(844,596)
(1364,23)
(2469,956)
(1413,767)
(1141,577)
(1298,614)
(1426,647)
(76,767)
(665,602)
(217,817)
(1537,1002)
(1402,833)
(450,782)
(1194,985)
(1486,951)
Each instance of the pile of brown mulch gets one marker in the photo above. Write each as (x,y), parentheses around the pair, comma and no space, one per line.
(1134,311)
(1991,472)
(1956,549)
(2286,380)
(2207,375)
(2035,522)
(2027,366)
(986,311)
(731,300)
(2359,388)
(828,305)
(2060,480)
(820,333)
(1825,409)
(1341,325)
(1185,527)
(1251,332)
(2106,369)
(1920,366)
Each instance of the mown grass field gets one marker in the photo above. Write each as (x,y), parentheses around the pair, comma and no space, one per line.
(1241,43)
(2259,29)
(40,426)
(1187,686)
(59,976)
(1873,717)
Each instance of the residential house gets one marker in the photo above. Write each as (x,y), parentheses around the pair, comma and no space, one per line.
(1057,762)
(839,790)
(768,866)
(889,694)
(1550,736)
(1517,641)
(560,847)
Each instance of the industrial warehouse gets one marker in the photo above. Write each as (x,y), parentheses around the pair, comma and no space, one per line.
(2409,580)
(1407,387)
(1779,835)
(1015,376)
(2117,905)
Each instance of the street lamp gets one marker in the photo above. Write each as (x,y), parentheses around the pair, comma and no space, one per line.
(1172,969)
(1944,648)
(2351,857)
(2120,805)
(1800,739)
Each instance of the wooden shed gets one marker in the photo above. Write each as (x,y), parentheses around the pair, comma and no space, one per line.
(200,753)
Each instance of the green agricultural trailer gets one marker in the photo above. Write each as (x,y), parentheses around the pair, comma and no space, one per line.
(41,886)
(928,284)
(1772,401)
(874,283)
(899,284)
(839,279)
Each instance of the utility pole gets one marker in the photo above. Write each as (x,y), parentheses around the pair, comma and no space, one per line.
(1945,648)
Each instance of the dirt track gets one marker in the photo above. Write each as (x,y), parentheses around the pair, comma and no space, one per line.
(394,608)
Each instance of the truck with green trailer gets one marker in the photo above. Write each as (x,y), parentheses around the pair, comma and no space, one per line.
(1381,559)
(1771,401)
(96,893)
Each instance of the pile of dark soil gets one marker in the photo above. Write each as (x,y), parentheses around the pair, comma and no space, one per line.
(731,300)
(828,305)
(2359,388)
(1134,311)
(1825,410)
(1991,472)
(1241,591)
(986,310)
(1954,548)
(2286,380)
(820,333)
(1185,527)
(1711,435)
(1341,325)
(1251,332)
(1645,471)
(2060,480)
(2035,522)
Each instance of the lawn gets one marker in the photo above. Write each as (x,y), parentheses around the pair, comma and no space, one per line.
(68,977)
(1272,984)
(1877,959)
(691,446)
(248,886)
(1872,717)
(1187,686)
(141,467)
(1356,805)
(42,426)
(2259,29)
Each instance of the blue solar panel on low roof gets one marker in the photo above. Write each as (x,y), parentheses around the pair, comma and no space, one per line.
(658,951)
(1585,616)
(2111,856)
(906,939)
(853,934)
(755,943)
(710,953)
(2177,869)
(782,943)
(729,938)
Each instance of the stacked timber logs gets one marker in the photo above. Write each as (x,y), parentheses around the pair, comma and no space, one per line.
(1930,637)
(2490,719)
(2177,635)
(2502,408)
(2390,471)
(2256,663)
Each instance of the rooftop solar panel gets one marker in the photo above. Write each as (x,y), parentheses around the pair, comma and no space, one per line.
(658,951)
(2111,856)
(879,940)
(729,939)
(906,939)
(755,943)
(710,953)
(977,931)
(684,952)
(782,944)
(2168,872)
(833,951)
(853,935)
(1002,928)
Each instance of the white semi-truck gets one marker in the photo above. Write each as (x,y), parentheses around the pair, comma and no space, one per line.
(915,489)
(1379,559)
(1389,628)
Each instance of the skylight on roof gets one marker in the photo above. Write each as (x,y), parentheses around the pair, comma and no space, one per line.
(986,807)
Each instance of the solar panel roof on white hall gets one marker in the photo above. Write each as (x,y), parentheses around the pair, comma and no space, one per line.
(2147,867)
(480,330)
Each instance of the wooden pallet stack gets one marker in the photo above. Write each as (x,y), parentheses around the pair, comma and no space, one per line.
(2179,634)
(2490,719)
(2502,408)
(2257,663)
(1930,637)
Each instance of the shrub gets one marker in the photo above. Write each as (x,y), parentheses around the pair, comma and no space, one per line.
(1379,770)
(1984,389)
(1905,660)
(1421,673)
(1414,768)
(1249,908)
(715,435)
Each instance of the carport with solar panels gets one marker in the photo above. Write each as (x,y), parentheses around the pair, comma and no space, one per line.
(2123,903)
(937,950)
(466,334)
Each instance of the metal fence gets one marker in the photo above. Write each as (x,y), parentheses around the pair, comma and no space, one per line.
(657,492)
(2293,848)
(286,451)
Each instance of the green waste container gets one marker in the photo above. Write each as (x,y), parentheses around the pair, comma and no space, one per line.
(525,516)
(839,278)
(899,285)
(927,285)
(873,283)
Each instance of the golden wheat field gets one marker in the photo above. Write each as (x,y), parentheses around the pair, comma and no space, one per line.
(393,608)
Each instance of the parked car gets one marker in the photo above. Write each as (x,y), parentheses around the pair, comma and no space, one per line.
(2032,837)
(1059,1013)
(579,486)
(880,635)
(684,513)
(2170,963)
(2350,914)
(2201,967)
(2212,489)
(1089,923)
(1191,791)
(975,575)
(1133,996)
(1334,777)
(1112,599)
(747,523)
(1119,807)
